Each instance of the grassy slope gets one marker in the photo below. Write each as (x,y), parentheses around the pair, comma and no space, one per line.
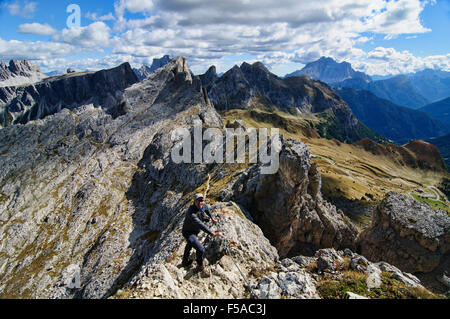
(443,144)
(348,170)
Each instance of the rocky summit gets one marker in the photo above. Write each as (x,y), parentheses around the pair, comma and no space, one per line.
(92,203)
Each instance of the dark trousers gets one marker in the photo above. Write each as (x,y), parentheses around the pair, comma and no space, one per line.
(193,242)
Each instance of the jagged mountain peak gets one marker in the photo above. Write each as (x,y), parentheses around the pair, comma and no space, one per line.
(212,70)
(144,71)
(257,65)
(258,70)
(209,77)
(19,72)
(329,71)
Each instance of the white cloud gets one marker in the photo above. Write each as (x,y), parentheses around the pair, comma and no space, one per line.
(94,17)
(95,35)
(398,17)
(14,49)
(385,61)
(26,11)
(36,28)
(135,6)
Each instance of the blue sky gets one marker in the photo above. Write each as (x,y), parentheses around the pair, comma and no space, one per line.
(376,36)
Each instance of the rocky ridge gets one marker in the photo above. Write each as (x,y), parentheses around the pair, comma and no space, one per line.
(71,192)
(21,104)
(254,86)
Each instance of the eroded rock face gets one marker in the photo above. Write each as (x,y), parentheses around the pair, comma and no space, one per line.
(407,234)
(288,205)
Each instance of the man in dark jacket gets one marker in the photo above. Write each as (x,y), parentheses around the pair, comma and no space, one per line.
(193,224)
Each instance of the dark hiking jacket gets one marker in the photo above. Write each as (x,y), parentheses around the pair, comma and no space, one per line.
(194,221)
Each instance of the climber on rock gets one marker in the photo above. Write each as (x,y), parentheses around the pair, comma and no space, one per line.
(193,224)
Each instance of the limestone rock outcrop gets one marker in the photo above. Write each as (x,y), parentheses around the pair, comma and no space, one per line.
(242,249)
(288,205)
(407,234)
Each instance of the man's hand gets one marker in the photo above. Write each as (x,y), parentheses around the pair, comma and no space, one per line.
(217,234)
(215,221)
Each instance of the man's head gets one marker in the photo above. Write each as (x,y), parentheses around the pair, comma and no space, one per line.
(199,200)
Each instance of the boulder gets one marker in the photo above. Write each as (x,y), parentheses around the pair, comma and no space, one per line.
(407,234)
(351,295)
(328,259)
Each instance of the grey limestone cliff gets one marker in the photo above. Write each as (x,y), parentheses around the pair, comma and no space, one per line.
(21,104)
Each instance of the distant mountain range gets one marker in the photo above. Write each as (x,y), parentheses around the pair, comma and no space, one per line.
(434,85)
(400,124)
(439,110)
(411,90)
(143,72)
(53,73)
(19,73)
(398,90)
(329,71)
